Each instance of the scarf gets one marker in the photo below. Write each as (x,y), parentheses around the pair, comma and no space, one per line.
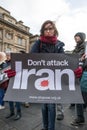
(48,39)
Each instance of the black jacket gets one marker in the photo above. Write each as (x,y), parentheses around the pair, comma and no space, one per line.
(41,47)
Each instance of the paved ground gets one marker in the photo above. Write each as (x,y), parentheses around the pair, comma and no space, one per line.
(31,119)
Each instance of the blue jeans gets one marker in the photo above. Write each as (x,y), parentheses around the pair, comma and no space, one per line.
(18,107)
(2,92)
(48,115)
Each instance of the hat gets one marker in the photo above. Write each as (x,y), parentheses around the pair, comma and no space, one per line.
(81,35)
(2,57)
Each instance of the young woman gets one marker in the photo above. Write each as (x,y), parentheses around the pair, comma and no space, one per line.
(48,43)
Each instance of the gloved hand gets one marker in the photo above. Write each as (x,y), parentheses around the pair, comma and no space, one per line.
(78,72)
(10,73)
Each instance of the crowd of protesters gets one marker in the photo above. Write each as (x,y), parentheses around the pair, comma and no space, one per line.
(48,43)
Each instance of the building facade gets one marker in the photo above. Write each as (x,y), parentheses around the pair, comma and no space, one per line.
(14,36)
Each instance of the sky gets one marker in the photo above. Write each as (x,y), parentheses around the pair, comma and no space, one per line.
(70,16)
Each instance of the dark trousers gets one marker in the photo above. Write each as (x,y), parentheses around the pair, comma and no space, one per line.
(80,107)
(12,107)
(80,111)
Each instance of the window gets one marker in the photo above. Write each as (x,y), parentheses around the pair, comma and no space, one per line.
(10,20)
(8,49)
(1,15)
(19,40)
(9,35)
(0,34)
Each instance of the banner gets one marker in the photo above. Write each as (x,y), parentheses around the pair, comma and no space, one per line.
(44,78)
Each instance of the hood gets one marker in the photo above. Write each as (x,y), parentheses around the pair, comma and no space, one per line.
(81,35)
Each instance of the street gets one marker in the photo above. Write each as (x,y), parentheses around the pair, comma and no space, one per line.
(32,119)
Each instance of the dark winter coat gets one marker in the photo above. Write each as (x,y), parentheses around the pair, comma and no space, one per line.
(80,49)
(40,47)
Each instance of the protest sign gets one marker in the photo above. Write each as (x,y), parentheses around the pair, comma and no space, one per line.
(44,78)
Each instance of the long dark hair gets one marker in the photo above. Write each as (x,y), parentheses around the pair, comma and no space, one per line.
(45,23)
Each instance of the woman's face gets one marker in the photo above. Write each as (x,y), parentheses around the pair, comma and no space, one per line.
(48,30)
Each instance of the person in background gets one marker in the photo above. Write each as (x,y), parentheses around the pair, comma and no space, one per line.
(48,43)
(3,85)
(13,105)
(80,49)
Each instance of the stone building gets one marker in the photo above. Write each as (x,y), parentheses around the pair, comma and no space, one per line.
(14,36)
